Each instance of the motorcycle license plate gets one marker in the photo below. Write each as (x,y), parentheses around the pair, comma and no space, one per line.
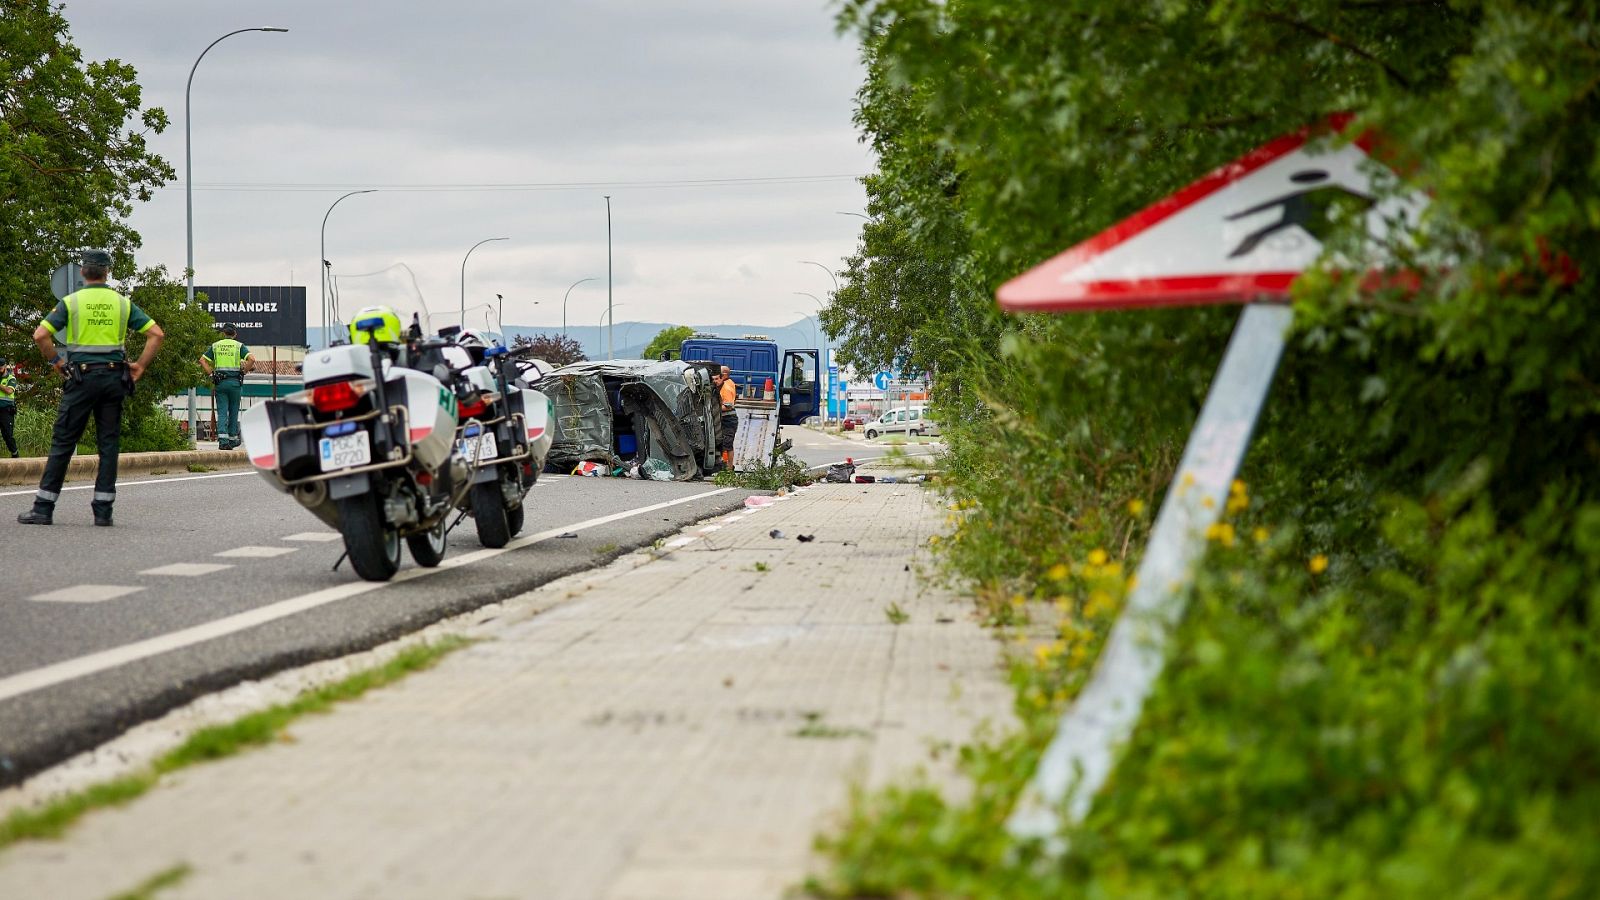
(343,452)
(481,447)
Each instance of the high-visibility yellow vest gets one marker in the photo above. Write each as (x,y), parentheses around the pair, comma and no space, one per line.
(97,320)
(225,355)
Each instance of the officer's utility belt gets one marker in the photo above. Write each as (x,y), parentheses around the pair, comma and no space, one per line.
(91,366)
(230,373)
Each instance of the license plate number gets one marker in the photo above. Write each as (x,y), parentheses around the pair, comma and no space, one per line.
(480,447)
(345,451)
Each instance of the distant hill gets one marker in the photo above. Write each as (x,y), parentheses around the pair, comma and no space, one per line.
(633,337)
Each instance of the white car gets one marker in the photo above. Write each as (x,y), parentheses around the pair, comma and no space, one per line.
(911,420)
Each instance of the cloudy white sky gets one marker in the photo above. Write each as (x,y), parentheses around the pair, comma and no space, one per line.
(413,96)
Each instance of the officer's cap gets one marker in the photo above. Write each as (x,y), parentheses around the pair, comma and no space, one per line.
(96,258)
(229,330)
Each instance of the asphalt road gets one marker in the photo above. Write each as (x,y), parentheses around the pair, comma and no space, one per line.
(214,578)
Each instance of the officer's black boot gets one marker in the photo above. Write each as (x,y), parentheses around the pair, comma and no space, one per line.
(102,513)
(39,515)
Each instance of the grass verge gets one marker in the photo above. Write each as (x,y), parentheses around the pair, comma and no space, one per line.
(218,742)
(166,878)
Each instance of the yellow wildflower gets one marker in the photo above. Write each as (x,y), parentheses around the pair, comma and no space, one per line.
(1097,557)
(1318,564)
(1135,507)
(1221,532)
(1237,487)
(1260,535)
(1057,572)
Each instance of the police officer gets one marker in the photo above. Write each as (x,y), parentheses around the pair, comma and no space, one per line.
(8,406)
(226,361)
(92,323)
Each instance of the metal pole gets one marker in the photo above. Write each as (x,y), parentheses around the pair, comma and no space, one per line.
(1081,756)
(564,303)
(188,162)
(188,189)
(821,349)
(464,275)
(612,328)
(327,313)
(825,269)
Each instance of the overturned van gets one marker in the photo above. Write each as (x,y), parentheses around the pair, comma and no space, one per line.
(662,416)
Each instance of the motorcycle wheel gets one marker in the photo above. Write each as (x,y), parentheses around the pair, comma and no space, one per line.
(489,514)
(514,517)
(427,547)
(373,549)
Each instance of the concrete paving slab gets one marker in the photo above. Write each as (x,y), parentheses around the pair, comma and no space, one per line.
(677,725)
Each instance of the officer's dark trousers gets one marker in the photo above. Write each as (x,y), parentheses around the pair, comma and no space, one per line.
(8,427)
(99,394)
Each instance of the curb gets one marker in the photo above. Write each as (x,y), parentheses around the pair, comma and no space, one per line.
(84,466)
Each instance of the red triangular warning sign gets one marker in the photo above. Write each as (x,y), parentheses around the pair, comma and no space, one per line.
(1244,232)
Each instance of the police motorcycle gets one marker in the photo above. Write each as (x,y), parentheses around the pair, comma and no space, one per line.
(369,446)
(503,432)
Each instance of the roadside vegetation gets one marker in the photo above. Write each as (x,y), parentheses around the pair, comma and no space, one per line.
(1385,683)
(217,742)
(783,472)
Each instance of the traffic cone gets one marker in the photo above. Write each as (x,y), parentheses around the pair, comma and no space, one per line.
(766,391)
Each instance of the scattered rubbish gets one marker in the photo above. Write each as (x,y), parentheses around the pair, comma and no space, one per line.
(775,534)
(888,479)
(841,473)
(567,535)
(758,501)
(589,469)
(805,538)
(865,479)
(908,567)
(944,620)
(916,479)
(656,470)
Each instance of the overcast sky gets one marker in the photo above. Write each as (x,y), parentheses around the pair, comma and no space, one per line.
(412,96)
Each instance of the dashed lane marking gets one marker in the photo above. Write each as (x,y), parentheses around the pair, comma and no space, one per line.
(257,552)
(679,542)
(94,663)
(314,536)
(86,593)
(187,570)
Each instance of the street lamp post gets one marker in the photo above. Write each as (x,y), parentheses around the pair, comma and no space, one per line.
(464,275)
(564,303)
(188,187)
(814,337)
(612,328)
(327,313)
(188,163)
(824,268)
(841,212)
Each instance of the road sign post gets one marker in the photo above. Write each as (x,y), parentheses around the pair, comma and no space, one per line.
(1242,233)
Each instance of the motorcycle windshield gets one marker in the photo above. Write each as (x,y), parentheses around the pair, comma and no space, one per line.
(394,287)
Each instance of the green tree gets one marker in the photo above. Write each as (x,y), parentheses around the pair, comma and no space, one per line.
(555,349)
(1365,727)
(667,339)
(73,159)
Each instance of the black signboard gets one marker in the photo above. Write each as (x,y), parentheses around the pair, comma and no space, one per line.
(268,316)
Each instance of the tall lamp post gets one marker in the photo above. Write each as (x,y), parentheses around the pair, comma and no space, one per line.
(612,328)
(807,262)
(188,162)
(188,187)
(327,313)
(464,275)
(564,303)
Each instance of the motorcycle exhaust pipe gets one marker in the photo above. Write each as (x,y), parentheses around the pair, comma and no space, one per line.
(312,494)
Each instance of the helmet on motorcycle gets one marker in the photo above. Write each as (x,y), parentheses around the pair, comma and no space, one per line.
(470,338)
(386,333)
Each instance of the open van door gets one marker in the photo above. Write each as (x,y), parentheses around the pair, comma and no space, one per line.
(799,387)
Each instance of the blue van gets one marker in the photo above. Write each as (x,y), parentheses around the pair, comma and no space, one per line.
(753,359)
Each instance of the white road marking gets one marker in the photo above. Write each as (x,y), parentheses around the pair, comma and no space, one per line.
(86,593)
(257,552)
(94,663)
(123,484)
(707,529)
(187,570)
(682,541)
(314,536)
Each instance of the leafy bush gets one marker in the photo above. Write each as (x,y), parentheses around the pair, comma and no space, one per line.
(1385,682)
(783,472)
(145,427)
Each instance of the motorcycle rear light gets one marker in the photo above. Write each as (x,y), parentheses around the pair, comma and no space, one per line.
(424,478)
(336,397)
(472,407)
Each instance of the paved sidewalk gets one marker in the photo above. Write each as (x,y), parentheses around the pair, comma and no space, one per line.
(676,725)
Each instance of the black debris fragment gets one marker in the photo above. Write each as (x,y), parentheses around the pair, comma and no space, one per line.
(805,538)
